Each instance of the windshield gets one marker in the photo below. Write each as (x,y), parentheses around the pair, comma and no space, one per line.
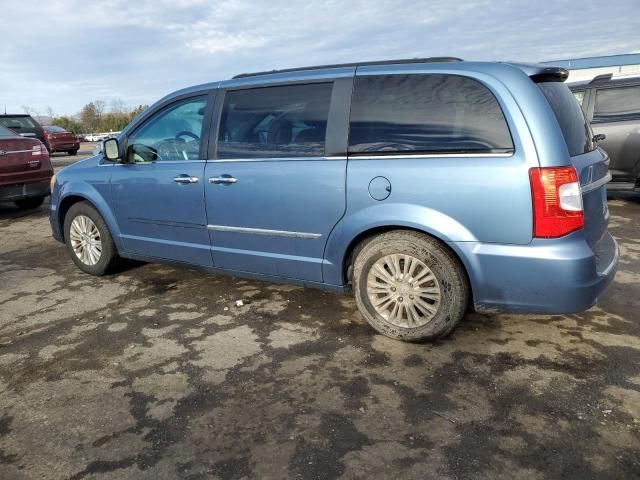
(18,122)
(574,126)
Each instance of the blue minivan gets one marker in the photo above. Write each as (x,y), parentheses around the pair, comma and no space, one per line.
(426,187)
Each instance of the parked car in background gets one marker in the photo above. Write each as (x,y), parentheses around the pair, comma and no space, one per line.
(24,125)
(424,186)
(612,105)
(25,170)
(57,139)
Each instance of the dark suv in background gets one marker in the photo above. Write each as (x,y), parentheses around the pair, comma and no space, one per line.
(612,104)
(24,125)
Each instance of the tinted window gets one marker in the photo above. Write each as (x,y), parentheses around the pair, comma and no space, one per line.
(573,124)
(617,104)
(287,121)
(426,113)
(173,134)
(18,122)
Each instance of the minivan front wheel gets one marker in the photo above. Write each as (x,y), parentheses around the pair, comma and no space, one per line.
(409,286)
(88,240)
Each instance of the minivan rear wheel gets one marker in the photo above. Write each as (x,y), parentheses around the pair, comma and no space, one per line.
(88,239)
(409,286)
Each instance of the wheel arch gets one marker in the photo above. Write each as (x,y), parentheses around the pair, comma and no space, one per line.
(360,240)
(99,204)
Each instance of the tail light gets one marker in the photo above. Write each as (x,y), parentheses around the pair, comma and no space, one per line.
(39,151)
(557,201)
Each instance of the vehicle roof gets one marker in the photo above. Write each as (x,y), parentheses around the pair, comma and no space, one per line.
(538,72)
(15,115)
(606,80)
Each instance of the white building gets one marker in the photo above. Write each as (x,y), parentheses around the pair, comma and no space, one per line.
(587,68)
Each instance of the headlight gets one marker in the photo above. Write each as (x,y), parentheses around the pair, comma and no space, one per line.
(52,183)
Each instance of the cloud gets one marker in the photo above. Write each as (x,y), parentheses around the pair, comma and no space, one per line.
(65,53)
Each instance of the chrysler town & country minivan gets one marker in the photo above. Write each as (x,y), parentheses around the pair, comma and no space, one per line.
(426,187)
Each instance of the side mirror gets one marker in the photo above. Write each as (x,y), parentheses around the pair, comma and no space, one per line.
(111,149)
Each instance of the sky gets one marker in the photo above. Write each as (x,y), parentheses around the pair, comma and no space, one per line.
(62,54)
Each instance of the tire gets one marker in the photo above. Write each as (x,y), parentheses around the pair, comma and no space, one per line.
(108,254)
(72,152)
(29,203)
(419,261)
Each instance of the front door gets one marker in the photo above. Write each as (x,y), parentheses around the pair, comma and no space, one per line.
(158,193)
(272,194)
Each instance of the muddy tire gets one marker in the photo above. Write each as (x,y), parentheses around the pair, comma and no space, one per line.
(88,239)
(409,286)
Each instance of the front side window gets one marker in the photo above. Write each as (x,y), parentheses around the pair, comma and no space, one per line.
(173,134)
(426,113)
(617,104)
(283,121)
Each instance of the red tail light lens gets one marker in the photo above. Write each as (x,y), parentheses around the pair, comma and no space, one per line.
(557,201)
(39,151)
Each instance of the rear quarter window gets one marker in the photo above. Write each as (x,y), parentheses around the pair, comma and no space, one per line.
(574,126)
(617,104)
(426,113)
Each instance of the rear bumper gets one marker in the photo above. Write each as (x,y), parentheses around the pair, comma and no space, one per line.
(547,276)
(21,191)
(63,146)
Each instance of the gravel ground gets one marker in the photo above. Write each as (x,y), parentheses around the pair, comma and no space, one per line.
(155,373)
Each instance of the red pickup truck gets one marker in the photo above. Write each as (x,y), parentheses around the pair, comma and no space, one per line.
(25,170)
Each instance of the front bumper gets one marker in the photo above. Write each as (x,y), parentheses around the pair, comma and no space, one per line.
(21,191)
(550,276)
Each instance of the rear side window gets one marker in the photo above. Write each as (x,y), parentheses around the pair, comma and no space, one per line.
(426,113)
(570,116)
(284,121)
(617,104)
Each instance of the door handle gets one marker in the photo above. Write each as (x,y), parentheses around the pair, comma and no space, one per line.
(185,179)
(223,180)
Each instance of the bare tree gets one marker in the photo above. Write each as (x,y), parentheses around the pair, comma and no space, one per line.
(50,113)
(118,106)
(30,110)
(99,106)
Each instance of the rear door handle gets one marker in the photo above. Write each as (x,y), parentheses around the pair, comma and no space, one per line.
(185,179)
(223,180)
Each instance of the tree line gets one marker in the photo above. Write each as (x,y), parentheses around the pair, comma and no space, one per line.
(94,117)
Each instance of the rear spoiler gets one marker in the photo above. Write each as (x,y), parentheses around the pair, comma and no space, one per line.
(543,73)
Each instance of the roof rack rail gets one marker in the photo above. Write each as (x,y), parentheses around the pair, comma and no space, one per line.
(357,64)
(602,78)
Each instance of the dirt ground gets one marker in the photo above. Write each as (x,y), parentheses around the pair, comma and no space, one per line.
(155,373)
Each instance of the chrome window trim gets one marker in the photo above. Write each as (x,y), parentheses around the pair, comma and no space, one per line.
(589,187)
(162,162)
(428,155)
(278,159)
(264,231)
